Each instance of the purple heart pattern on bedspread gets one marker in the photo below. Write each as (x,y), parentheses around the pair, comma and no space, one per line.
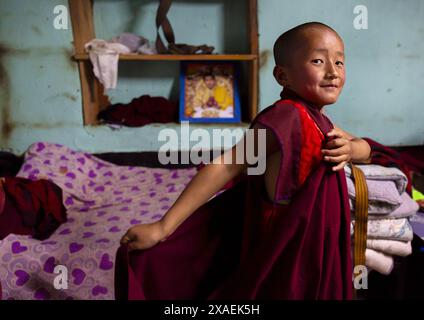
(103,200)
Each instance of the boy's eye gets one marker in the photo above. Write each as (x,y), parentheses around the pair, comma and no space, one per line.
(317,61)
(340,63)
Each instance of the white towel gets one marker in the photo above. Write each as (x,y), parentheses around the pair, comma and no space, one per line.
(104,56)
(391,247)
(378,261)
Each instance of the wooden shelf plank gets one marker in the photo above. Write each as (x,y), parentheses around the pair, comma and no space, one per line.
(178,57)
(177,125)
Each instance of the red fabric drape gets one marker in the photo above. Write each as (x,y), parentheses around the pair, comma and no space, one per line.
(31,208)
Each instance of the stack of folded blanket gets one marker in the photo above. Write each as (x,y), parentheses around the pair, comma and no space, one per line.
(389,232)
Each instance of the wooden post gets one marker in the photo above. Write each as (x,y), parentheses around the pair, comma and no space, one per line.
(254,64)
(93,99)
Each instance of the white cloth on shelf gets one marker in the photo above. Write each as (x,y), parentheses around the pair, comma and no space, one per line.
(136,44)
(104,56)
(147,48)
(130,40)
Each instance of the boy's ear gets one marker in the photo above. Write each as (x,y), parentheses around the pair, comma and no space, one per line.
(280,74)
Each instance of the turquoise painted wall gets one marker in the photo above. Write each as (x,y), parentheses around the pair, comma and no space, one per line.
(40,90)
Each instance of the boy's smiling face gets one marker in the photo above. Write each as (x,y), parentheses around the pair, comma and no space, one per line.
(315,70)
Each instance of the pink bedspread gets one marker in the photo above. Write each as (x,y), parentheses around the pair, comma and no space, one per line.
(103,200)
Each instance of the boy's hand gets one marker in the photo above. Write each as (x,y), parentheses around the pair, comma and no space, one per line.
(144,236)
(338,150)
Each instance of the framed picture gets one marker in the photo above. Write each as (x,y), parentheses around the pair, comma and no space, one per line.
(209,92)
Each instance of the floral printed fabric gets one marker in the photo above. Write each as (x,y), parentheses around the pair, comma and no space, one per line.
(389,229)
(103,200)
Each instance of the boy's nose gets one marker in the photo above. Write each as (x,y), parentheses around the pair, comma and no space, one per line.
(332,72)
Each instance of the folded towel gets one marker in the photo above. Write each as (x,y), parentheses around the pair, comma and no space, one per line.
(389,229)
(383,196)
(390,247)
(378,261)
(407,208)
(380,173)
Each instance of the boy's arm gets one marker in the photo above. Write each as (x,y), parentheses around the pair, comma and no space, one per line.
(212,178)
(205,184)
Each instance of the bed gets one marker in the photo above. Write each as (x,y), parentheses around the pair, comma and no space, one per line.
(103,200)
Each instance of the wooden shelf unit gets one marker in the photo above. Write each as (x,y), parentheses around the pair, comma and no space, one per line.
(93,99)
(178,57)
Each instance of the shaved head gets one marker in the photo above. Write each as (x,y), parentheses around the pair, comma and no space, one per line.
(293,39)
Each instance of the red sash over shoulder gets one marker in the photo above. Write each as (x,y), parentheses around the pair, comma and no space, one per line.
(300,143)
(241,245)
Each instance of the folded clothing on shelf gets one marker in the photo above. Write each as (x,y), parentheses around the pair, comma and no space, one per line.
(141,111)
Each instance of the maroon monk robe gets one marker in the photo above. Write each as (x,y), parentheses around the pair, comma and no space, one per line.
(140,111)
(241,245)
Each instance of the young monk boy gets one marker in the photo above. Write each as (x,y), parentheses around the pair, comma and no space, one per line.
(280,235)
